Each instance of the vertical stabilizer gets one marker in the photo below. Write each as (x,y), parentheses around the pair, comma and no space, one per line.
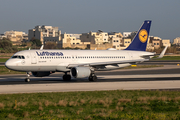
(139,42)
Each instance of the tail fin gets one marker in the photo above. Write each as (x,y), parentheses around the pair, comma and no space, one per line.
(139,42)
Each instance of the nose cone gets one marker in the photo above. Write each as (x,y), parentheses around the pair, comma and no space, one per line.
(14,64)
(8,64)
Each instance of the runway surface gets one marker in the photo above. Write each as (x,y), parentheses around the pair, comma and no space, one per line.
(167,77)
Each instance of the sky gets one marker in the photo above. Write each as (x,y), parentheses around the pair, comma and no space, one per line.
(82,16)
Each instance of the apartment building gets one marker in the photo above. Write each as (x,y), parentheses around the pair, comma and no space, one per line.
(116,40)
(166,43)
(99,37)
(126,34)
(126,42)
(156,43)
(176,41)
(41,32)
(69,40)
(17,37)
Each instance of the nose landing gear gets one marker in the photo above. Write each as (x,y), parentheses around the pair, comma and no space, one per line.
(28,77)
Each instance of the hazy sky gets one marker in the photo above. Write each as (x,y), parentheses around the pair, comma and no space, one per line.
(82,16)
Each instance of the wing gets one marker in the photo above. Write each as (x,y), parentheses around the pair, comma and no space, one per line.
(108,63)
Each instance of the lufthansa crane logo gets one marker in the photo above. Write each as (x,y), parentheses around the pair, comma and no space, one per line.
(143,35)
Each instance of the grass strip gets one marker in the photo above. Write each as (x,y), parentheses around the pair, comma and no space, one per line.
(3,60)
(169,58)
(4,70)
(118,104)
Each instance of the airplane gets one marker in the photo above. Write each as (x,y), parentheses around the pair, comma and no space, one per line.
(82,63)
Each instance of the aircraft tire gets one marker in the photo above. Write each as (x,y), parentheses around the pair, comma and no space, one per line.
(27,80)
(93,78)
(67,77)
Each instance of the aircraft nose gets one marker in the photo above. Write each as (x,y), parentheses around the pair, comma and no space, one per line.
(8,64)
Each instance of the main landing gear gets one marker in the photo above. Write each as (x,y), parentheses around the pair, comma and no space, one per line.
(66,77)
(28,75)
(93,77)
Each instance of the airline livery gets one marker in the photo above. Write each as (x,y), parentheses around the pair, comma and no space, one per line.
(82,63)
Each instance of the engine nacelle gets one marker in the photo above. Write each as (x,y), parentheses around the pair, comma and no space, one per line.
(80,72)
(40,74)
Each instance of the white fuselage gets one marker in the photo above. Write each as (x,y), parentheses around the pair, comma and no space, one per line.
(59,60)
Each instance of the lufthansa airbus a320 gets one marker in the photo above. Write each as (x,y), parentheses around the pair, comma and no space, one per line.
(82,63)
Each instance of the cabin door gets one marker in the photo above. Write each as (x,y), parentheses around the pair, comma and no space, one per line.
(33,58)
(130,56)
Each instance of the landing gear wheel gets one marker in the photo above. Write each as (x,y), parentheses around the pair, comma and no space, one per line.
(93,78)
(28,75)
(27,80)
(67,77)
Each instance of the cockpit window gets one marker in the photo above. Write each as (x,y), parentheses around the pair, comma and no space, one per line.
(14,56)
(18,56)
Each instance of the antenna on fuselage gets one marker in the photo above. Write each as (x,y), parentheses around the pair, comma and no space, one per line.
(42,47)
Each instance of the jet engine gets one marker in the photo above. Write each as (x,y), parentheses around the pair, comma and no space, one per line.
(80,72)
(40,74)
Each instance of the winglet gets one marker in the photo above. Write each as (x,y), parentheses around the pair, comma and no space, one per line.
(162,53)
(42,47)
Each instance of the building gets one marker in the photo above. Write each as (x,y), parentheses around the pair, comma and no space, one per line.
(166,43)
(176,41)
(69,40)
(17,37)
(40,32)
(126,42)
(126,34)
(157,43)
(2,36)
(116,40)
(99,37)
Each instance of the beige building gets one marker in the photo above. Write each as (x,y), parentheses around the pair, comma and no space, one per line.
(166,43)
(126,42)
(17,37)
(72,40)
(116,40)
(150,47)
(95,37)
(157,43)
(41,32)
(176,41)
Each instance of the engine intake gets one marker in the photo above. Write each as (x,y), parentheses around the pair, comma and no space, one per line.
(41,74)
(80,72)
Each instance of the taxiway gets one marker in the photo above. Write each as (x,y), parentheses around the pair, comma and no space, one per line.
(166,77)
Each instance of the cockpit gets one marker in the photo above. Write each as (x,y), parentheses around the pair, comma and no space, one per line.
(18,57)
